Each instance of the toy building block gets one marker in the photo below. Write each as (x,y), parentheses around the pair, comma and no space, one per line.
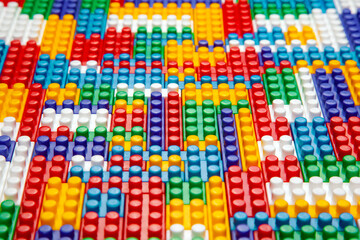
(329,167)
(17,172)
(245,191)
(58,198)
(185,191)
(286,169)
(156,120)
(344,136)
(44,170)
(13,101)
(282,148)
(145,212)
(9,212)
(6,147)
(173,120)
(314,197)
(71,92)
(259,103)
(67,230)
(311,138)
(265,127)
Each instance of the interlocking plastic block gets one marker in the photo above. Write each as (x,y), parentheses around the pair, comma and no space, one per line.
(173,120)
(228,138)
(33,7)
(336,99)
(103,203)
(176,188)
(3,53)
(311,138)
(9,214)
(16,174)
(237,18)
(145,212)
(329,167)
(89,92)
(89,23)
(245,191)
(102,228)
(199,120)
(66,231)
(135,160)
(313,197)
(13,101)
(84,119)
(344,136)
(6,147)
(156,121)
(217,207)
(264,231)
(9,127)
(247,141)
(203,165)
(42,169)
(98,148)
(30,207)
(19,64)
(51,71)
(93,5)
(135,140)
(242,231)
(258,103)
(52,44)
(185,214)
(57,198)
(282,148)
(32,112)
(350,22)
(85,50)
(285,170)
(277,129)
(70,92)
(137,118)
(63,7)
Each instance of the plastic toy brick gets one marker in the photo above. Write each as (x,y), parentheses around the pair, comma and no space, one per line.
(51,71)
(30,207)
(308,94)
(228,138)
(93,5)
(311,138)
(61,195)
(282,148)
(19,64)
(259,103)
(217,207)
(60,131)
(3,53)
(185,191)
(242,231)
(173,160)
(62,8)
(247,140)
(33,7)
(156,121)
(136,118)
(264,231)
(110,226)
(286,169)
(195,165)
(135,160)
(67,230)
(314,197)
(98,148)
(32,112)
(17,172)
(336,98)
(245,191)
(183,214)
(83,119)
(199,120)
(264,127)
(11,12)
(90,23)
(173,120)
(233,23)
(351,73)
(207,23)
(94,95)
(71,92)
(93,46)
(6,147)
(329,167)
(42,169)
(104,203)
(145,213)
(58,36)
(344,136)
(12,101)
(10,212)
(103,103)
(179,54)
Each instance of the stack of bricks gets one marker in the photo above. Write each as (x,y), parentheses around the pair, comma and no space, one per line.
(170,120)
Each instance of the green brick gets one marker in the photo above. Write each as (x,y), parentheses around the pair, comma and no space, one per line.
(8,218)
(94,95)
(186,191)
(280,86)
(100,131)
(32,7)
(330,167)
(95,4)
(129,100)
(199,120)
